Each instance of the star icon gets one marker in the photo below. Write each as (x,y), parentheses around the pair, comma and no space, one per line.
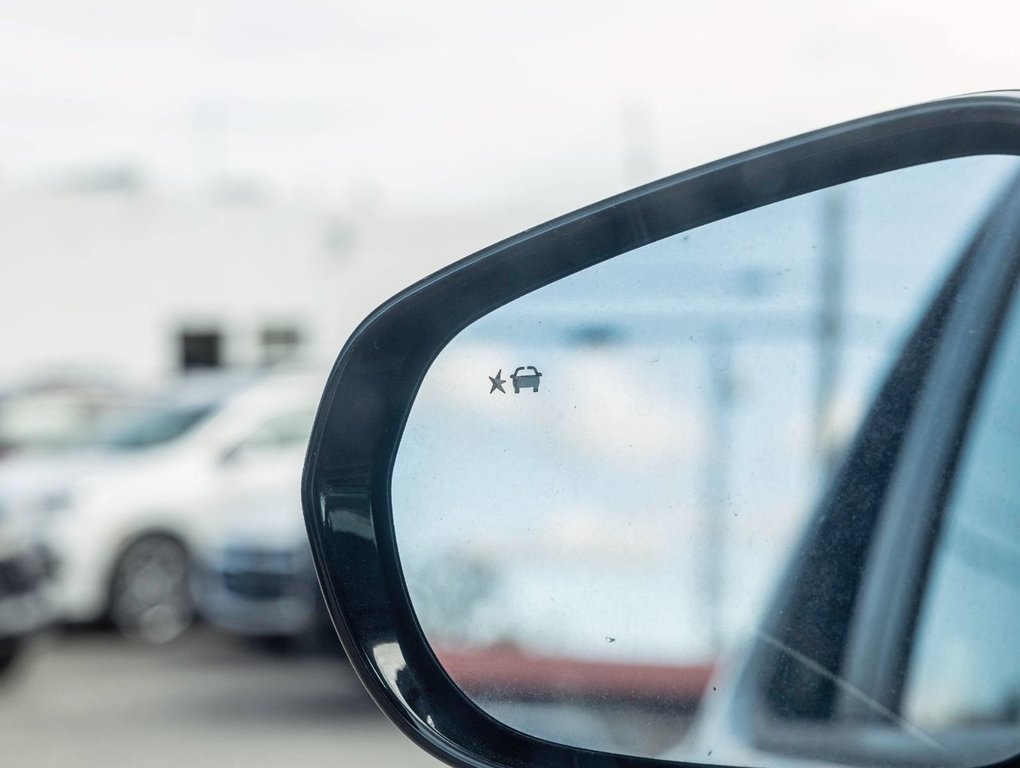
(497,382)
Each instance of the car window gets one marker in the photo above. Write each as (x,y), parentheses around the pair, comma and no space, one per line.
(964,668)
(150,427)
(288,429)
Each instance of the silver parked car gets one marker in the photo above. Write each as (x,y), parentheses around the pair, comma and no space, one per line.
(24,579)
(257,579)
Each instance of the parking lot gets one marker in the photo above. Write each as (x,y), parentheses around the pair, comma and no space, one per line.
(95,699)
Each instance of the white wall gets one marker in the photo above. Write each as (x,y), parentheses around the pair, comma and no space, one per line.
(104,280)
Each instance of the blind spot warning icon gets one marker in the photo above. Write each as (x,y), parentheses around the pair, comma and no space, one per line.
(525,380)
(497,382)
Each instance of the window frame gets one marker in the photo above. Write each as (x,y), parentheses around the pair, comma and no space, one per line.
(906,531)
(892,595)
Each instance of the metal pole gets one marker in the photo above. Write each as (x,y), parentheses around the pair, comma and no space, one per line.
(717,470)
(831,310)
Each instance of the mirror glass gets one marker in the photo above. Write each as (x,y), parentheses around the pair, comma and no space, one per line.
(600,483)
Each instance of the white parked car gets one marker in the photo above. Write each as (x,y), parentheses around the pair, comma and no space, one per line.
(57,412)
(123,518)
(24,575)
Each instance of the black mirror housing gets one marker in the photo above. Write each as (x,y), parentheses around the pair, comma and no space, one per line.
(346,484)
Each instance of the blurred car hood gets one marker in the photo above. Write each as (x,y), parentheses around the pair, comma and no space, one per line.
(42,480)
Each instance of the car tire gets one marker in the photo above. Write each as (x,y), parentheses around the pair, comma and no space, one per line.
(10,651)
(277,645)
(150,591)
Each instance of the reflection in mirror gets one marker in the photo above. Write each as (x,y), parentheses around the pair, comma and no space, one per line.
(964,670)
(599,483)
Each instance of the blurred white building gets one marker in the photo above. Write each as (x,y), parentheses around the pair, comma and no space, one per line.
(140,284)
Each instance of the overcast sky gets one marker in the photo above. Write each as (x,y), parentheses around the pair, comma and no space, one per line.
(451,103)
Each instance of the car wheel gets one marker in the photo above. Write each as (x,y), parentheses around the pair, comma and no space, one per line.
(150,593)
(10,650)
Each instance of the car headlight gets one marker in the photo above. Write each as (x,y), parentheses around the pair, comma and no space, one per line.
(8,540)
(56,502)
(63,499)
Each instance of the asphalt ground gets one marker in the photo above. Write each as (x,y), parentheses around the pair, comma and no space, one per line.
(96,699)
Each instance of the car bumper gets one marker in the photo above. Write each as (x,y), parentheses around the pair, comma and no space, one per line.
(79,582)
(257,618)
(25,605)
(253,602)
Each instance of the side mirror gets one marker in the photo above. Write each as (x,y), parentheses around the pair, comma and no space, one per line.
(703,472)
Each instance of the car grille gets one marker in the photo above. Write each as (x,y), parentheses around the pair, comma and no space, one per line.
(19,575)
(260,586)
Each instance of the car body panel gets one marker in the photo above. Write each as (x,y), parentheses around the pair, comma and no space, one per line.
(91,504)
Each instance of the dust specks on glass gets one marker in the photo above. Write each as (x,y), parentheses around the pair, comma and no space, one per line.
(650,491)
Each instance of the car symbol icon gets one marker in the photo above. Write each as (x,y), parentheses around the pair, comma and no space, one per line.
(524,380)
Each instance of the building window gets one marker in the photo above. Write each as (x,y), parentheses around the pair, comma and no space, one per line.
(199,349)
(279,344)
